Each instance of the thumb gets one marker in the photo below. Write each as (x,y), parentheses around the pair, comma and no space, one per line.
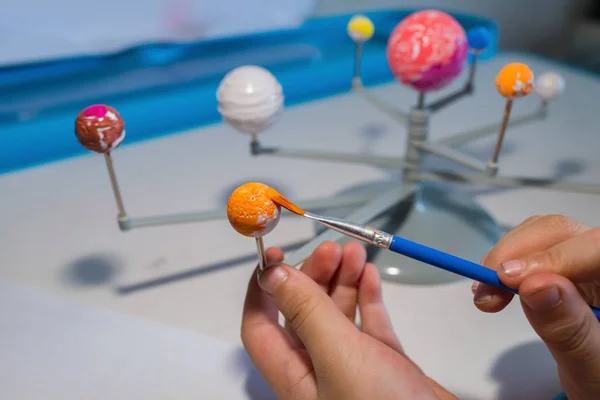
(565,322)
(308,310)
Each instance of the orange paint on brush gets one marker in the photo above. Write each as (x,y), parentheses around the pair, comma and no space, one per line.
(285,203)
(514,80)
(251,210)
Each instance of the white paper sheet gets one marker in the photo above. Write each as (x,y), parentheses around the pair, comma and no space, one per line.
(53,349)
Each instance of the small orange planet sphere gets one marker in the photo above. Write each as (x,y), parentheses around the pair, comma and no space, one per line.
(251,210)
(514,80)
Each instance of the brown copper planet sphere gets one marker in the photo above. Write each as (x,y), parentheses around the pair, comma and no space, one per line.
(100,128)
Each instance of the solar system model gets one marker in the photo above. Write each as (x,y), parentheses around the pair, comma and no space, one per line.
(426,52)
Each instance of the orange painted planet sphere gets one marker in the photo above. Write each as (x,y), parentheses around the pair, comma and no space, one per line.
(514,80)
(251,211)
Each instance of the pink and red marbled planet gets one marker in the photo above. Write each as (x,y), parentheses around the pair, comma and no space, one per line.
(427,50)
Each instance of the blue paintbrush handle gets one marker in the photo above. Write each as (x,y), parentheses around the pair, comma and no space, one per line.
(453,264)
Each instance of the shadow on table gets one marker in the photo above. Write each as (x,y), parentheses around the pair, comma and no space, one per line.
(257,387)
(92,270)
(198,271)
(526,372)
(563,169)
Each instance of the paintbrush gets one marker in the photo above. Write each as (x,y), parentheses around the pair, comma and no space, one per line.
(407,248)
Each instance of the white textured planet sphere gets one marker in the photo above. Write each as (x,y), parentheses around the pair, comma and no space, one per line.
(250,99)
(549,86)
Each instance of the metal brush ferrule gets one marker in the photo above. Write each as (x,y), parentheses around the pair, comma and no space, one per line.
(364,233)
(380,239)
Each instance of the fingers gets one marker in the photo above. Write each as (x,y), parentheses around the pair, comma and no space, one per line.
(337,270)
(577,259)
(375,319)
(258,308)
(321,326)
(322,265)
(344,288)
(533,235)
(274,255)
(266,342)
(475,284)
(569,328)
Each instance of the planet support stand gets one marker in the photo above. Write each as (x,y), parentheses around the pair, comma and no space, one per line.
(413,207)
(115,185)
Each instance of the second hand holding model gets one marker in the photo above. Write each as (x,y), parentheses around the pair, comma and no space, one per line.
(378,238)
(418,252)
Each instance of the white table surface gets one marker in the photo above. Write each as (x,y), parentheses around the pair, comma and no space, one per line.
(54,348)
(45,245)
(42,30)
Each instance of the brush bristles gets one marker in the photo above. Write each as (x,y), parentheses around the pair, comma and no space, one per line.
(285,203)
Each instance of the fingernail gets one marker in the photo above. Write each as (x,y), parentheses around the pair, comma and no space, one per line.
(474,287)
(512,268)
(543,299)
(484,258)
(271,278)
(483,294)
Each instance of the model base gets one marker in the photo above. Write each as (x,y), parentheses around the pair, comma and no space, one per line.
(435,216)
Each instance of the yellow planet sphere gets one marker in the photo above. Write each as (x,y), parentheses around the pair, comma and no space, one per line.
(514,80)
(360,28)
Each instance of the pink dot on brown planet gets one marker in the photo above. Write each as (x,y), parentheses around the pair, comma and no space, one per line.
(99,128)
(97,110)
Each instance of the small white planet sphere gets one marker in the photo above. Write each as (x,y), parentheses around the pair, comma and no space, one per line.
(549,86)
(250,99)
